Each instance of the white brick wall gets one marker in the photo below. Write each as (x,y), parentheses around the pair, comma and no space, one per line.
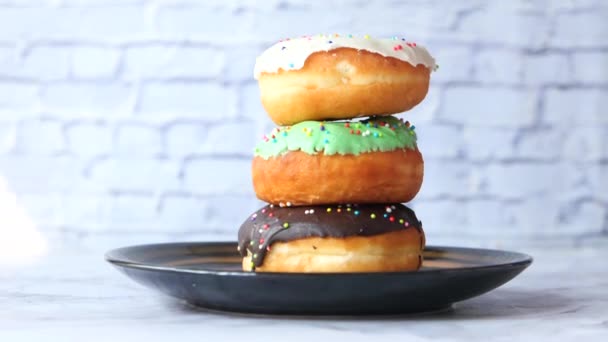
(137,140)
(94,62)
(164,61)
(127,117)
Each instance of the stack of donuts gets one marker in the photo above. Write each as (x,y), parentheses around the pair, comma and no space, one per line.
(337,169)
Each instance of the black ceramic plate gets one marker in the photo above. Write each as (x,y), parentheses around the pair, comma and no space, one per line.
(209,275)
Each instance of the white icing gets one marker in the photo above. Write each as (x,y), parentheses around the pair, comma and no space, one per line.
(291,54)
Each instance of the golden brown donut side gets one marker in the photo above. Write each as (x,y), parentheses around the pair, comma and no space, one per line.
(343,83)
(373,177)
(395,251)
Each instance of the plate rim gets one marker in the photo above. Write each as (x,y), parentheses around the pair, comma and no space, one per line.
(524,261)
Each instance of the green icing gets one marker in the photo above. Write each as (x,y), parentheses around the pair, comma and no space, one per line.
(381,133)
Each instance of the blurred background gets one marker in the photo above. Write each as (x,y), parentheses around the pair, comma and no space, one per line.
(132,121)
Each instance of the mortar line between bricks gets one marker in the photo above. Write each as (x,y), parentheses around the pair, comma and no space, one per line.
(421,198)
(200,41)
(177,41)
(573,85)
(217,157)
(586,10)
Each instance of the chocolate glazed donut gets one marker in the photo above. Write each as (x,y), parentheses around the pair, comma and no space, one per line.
(343,238)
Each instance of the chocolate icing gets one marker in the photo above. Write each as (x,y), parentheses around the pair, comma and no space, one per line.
(271,223)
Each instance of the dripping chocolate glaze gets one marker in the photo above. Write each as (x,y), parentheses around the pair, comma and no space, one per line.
(271,223)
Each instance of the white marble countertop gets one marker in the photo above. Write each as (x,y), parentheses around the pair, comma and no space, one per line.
(73,295)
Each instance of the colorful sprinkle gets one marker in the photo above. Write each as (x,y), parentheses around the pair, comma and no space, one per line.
(366,36)
(407,224)
(368,128)
(373,216)
(356,212)
(401,221)
(392,219)
(285,225)
(291,65)
(329,210)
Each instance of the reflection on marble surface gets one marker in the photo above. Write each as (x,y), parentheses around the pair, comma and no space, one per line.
(73,295)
